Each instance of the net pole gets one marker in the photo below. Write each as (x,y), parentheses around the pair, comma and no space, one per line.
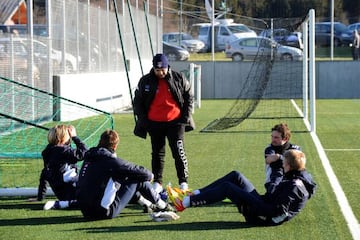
(135,37)
(192,82)
(23,121)
(198,85)
(124,57)
(147,26)
(305,73)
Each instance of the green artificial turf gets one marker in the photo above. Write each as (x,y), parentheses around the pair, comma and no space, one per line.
(210,156)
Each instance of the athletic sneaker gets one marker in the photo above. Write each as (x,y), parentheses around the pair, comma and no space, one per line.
(154,208)
(163,195)
(149,209)
(184,186)
(52,205)
(176,196)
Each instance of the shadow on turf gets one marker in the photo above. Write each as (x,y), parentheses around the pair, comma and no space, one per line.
(28,205)
(41,220)
(189,226)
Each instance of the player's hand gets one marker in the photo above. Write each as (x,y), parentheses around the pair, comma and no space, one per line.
(72,131)
(270,158)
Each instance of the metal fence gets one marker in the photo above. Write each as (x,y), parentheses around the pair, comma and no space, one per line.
(78,38)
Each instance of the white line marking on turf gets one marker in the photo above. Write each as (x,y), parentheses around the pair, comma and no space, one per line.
(342,150)
(345,208)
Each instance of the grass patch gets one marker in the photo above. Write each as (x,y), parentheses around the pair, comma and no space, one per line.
(210,155)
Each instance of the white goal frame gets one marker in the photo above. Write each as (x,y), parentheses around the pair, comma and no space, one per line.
(309,76)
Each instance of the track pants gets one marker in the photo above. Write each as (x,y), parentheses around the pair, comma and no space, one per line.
(238,189)
(174,132)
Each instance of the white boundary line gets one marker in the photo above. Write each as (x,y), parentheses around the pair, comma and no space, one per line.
(342,150)
(345,208)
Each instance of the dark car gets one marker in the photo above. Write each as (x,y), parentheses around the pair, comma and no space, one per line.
(284,37)
(175,53)
(354,26)
(38,29)
(342,35)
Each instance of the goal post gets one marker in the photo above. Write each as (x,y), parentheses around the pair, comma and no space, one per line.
(309,77)
(276,88)
(195,81)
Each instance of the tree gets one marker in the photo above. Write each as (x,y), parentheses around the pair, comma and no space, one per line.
(352,9)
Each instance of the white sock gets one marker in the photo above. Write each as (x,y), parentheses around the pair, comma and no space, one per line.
(144,202)
(196,192)
(186,202)
(64,204)
(161,204)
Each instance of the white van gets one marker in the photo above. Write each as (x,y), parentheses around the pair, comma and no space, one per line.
(226,31)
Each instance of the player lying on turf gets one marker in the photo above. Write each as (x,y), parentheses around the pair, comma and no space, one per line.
(285,202)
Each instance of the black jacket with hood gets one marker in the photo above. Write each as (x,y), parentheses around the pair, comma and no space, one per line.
(100,164)
(180,89)
(285,202)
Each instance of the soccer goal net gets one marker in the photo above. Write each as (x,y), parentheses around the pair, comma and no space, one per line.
(280,84)
(26,114)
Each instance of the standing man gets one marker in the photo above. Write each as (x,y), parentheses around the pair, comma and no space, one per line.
(163,104)
(356,47)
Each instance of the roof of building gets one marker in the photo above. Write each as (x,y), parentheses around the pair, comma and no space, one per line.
(8,10)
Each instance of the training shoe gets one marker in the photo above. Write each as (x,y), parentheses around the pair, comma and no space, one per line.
(52,205)
(149,209)
(163,195)
(168,208)
(153,208)
(184,186)
(176,196)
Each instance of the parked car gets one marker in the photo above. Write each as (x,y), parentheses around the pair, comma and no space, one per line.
(284,37)
(354,26)
(41,51)
(226,31)
(175,53)
(21,48)
(16,68)
(183,40)
(249,48)
(342,35)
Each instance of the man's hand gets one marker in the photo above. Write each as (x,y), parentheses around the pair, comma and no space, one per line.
(270,158)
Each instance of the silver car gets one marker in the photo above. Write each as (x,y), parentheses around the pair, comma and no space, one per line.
(184,40)
(248,48)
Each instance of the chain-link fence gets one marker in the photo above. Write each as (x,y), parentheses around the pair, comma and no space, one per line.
(78,38)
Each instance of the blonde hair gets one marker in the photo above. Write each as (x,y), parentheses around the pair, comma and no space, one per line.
(58,134)
(295,159)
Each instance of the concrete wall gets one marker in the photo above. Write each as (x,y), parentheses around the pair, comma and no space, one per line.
(104,91)
(110,91)
(337,79)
